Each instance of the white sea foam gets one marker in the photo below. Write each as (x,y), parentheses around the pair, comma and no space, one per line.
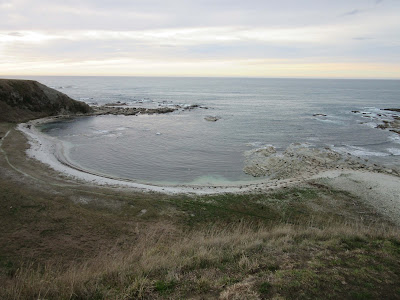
(394,151)
(301,145)
(371,124)
(358,151)
(395,138)
(254,144)
(101,132)
(336,122)
(313,139)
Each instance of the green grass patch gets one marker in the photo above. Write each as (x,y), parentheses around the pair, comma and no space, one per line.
(164,287)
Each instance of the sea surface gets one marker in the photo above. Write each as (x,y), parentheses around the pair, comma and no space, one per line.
(184,148)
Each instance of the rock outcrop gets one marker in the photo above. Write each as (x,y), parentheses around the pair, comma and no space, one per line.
(23,100)
(301,160)
(130,111)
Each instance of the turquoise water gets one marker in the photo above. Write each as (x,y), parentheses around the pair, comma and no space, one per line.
(182,147)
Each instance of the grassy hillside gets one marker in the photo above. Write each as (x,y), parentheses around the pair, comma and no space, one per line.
(22,100)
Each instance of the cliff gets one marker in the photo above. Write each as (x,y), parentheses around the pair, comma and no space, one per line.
(23,100)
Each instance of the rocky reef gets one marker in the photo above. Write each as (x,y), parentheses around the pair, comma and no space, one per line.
(301,160)
(130,111)
(23,100)
(122,108)
(392,124)
(386,119)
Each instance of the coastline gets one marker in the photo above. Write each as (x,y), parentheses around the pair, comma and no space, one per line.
(379,187)
(50,152)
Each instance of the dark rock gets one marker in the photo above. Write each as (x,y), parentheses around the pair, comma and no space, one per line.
(118,103)
(392,109)
(191,107)
(131,111)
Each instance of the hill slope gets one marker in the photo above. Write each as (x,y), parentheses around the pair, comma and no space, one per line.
(22,100)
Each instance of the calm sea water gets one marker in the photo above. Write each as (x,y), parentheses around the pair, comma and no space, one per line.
(182,147)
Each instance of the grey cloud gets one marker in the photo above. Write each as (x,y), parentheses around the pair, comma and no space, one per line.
(15,33)
(352,12)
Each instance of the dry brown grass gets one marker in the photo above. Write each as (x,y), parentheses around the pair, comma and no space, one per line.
(229,263)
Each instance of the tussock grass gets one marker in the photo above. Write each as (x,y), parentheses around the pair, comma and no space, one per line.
(235,262)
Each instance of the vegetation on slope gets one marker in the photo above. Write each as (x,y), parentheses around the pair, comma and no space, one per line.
(22,100)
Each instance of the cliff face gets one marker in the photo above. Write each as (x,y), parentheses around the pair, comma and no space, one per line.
(22,100)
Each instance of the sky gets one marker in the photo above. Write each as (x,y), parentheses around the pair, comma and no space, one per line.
(232,38)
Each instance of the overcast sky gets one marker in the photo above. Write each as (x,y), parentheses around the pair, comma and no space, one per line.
(285,38)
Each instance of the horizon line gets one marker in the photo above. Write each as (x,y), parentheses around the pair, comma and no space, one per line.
(227,77)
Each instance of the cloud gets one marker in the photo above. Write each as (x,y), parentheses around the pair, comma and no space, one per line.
(156,14)
(74,32)
(15,33)
(352,12)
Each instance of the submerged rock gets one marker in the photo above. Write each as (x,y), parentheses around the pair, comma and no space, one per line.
(212,118)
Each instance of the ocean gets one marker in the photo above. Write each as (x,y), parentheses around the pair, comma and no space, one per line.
(184,148)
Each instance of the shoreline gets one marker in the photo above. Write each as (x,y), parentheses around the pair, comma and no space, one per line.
(50,151)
